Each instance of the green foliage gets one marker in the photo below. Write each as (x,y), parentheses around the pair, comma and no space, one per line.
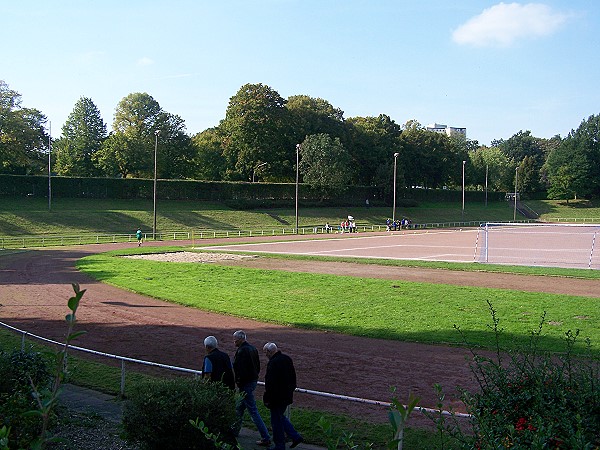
(325,163)
(158,413)
(398,416)
(215,438)
(529,399)
(335,439)
(82,136)
(18,370)
(23,139)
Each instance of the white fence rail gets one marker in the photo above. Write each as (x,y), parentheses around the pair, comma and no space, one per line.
(40,241)
(123,360)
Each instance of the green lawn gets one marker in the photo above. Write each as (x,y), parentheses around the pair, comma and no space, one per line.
(398,310)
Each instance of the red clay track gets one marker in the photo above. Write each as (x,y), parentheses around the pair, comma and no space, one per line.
(35,285)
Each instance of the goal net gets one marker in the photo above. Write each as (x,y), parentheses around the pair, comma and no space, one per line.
(539,244)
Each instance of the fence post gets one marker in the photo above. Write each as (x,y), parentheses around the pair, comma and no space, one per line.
(122,378)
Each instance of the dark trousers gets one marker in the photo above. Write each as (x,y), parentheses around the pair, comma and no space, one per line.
(281,426)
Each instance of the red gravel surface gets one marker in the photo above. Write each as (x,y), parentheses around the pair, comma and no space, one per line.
(35,285)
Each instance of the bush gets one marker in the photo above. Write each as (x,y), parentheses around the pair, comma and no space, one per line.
(18,369)
(157,414)
(528,399)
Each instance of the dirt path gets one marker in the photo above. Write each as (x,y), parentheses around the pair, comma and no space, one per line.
(35,285)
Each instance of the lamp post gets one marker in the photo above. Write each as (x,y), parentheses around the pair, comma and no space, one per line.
(515,209)
(49,167)
(463,190)
(297,178)
(156,133)
(394,209)
(486,183)
(257,167)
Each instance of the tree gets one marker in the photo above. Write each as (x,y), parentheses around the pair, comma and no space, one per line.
(23,139)
(372,143)
(309,115)
(573,168)
(324,163)
(129,150)
(517,148)
(430,159)
(256,129)
(209,163)
(500,171)
(82,136)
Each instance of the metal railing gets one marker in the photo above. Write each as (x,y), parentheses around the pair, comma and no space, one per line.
(123,360)
(41,241)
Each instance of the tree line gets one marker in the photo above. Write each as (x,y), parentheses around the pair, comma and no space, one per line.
(263,135)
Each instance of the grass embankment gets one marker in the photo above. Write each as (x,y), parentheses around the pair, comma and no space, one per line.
(77,216)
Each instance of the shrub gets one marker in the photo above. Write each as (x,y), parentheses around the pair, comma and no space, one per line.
(157,414)
(18,369)
(529,399)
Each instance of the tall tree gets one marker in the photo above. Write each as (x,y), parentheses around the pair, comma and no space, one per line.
(129,150)
(210,164)
(256,127)
(573,167)
(517,148)
(82,136)
(500,172)
(324,163)
(372,143)
(309,115)
(23,139)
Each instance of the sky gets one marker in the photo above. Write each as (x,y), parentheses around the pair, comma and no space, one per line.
(495,68)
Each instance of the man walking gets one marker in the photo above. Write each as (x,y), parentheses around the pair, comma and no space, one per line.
(246,367)
(280,383)
(217,365)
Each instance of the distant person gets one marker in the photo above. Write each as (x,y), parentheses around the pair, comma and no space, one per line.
(280,383)
(367,203)
(246,367)
(327,227)
(138,236)
(217,365)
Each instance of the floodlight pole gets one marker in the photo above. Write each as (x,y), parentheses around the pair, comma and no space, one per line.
(486,184)
(515,209)
(156,133)
(297,179)
(394,209)
(463,191)
(49,166)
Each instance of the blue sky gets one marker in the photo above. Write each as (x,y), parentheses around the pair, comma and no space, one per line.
(494,68)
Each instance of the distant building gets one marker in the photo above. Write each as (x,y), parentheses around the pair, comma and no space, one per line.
(445,129)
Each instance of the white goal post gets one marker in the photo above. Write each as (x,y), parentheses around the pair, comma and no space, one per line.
(538,244)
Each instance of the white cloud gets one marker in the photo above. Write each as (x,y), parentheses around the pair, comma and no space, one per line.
(504,23)
(145,61)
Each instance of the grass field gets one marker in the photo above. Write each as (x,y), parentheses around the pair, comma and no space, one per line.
(351,305)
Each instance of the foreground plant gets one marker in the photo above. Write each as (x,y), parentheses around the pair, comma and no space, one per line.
(47,398)
(531,399)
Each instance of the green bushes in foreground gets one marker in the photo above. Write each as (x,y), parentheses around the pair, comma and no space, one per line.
(18,370)
(157,414)
(531,399)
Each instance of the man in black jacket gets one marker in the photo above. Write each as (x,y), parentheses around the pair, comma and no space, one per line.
(217,365)
(246,367)
(280,383)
